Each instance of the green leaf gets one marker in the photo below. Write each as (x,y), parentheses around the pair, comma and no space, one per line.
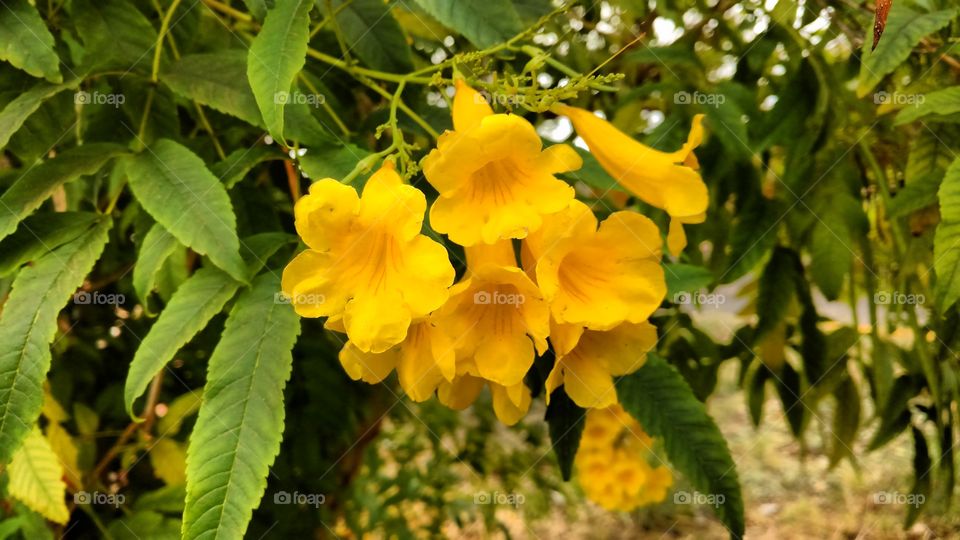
(157,247)
(145,525)
(484,23)
(905,29)
(776,290)
(17,111)
(219,80)
(176,189)
(25,41)
(240,425)
(371,32)
(658,397)
(36,478)
(686,278)
(946,240)
(40,233)
(191,307)
(27,326)
(277,54)
(846,420)
(333,162)
(917,194)
(565,420)
(115,34)
(939,103)
(232,169)
(36,185)
(753,237)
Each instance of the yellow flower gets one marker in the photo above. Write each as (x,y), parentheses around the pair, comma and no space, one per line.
(367,260)
(612,462)
(667,180)
(495,180)
(423,360)
(497,315)
(510,403)
(587,360)
(598,277)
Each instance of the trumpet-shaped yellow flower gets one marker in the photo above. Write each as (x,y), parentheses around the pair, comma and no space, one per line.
(510,403)
(367,260)
(497,315)
(612,462)
(587,361)
(423,360)
(598,277)
(494,178)
(667,180)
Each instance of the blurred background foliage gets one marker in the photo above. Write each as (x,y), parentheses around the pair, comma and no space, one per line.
(817,300)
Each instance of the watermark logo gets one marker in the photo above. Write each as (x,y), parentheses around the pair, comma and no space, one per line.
(305,499)
(98,497)
(299,98)
(887,98)
(83,97)
(895,497)
(699,98)
(497,298)
(485,497)
(711,499)
(699,298)
(499,98)
(897,298)
(97,298)
(299,299)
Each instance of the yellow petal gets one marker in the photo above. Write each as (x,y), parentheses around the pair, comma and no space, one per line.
(365,366)
(620,351)
(676,237)
(421,355)
(428,275)
(305,285)
(387,202)
(560,158)
(376,320)
(469,107)
(505,358)
(564,337)
(658,178)
(323,217)
(587,382)
(508,410)
(461,392)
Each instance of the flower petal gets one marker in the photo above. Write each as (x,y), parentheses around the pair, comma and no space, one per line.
(368,367)
(376,320)
(307,286)
(387,202)
(507,409)
(587,383)
(469,107)
(323,217)
(460,393)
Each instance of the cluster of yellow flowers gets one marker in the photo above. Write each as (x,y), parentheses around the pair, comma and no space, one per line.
(587,287)
(612,462)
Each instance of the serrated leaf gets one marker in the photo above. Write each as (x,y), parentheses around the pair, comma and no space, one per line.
(39,182)
(38,234)
(219,80)
(484,23)
(658,397)
(191,307)
(175,187)
(25,41)
(565,420)
(276,55)
(232,169)
(35,474)
(157,246)
(939,103)
(67,453)
(905,29)
(371,32)
(946,240)
(17,111)
(169,461)
(27,326)
(114,33)
(239,428)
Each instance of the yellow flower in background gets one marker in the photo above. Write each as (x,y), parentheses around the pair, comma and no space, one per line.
(367,260)
(598,277)
(494,178)
(423,360)
(587,361)
(497,316)
(667,180)
(510,403)
(612,464)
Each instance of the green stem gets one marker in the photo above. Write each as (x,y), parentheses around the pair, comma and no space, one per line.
(158,48)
